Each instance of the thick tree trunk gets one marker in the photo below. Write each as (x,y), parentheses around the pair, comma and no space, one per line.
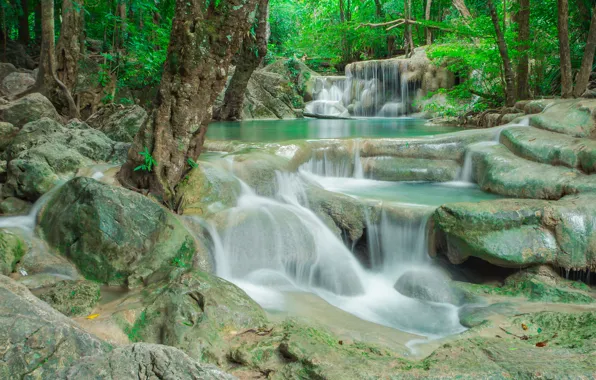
(47,82)
(564,52)
(583,77)
(202,44)
(247,60)
(509,78)
(523,67)
(70,47)
(408,39)
(24,23)
(37,22)
(429,33)
(460,5)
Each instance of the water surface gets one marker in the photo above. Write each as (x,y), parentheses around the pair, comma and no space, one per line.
(300,129)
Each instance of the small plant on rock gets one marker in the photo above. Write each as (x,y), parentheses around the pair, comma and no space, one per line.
(149,161)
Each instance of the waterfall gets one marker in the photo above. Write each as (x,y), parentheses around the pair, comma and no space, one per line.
(371,88)
(358,169)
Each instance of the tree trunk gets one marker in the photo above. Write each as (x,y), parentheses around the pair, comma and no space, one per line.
(123,27)
(509,78)
(203,41)
(247,60)
(460,5)
(69,48)
(564,52)
(37,24)
(24,23)
(583,77)
(429,34)
(47,82)
(408,39)
(523,67)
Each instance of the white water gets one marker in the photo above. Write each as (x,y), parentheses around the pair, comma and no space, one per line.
(273,246)
(338,162)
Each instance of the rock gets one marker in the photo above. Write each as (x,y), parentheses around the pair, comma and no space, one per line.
(7,133)
(499,171)
(518,233)
(16,54)
(14,206)
(38,341)
(429,285)
(71,298)
(26,109)
(258,170)
(551,148)
(409,169)
(6,69)
(575,117)
(142,361)
(206,190)
(16,82)
(45,153)
(115,236)
(40,280)
(12,248)
(193,312)
(118,122)
(297,72)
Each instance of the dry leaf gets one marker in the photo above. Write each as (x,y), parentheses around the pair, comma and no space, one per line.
(541,344)
(92,316)
(524,326)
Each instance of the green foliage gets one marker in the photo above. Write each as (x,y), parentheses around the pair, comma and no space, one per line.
(149,161)
(134,331)
(192,163)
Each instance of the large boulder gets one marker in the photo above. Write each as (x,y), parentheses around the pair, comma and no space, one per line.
(16,82)
(44,153)
(517,233)
(430,285)
(26,109)
(575,117)
(37,341)
(116,236)
(7,133)
(206,190)
(6,69)
(195,312)
(118,122)
(142,361)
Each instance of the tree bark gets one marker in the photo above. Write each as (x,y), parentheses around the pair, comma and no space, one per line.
(24,23)
(70,44)
(523,66)
(247,60)
(460,5)
(509,78)
(429,33)
(37,23)
(583,77)
(47,82)
(564,52)
(203,41)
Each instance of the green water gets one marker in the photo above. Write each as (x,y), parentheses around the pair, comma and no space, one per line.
(420,193)
(300,129)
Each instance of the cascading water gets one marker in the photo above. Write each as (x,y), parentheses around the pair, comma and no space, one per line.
(372,88)
(271,246)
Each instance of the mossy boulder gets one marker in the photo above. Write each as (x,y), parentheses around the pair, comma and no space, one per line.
(115,236)
(409,169)
(206,190)
(12,249)
(71,298)
(518,233)
(7,133)
(430,285)
(45,153)
(118,122)
(573,117)
(26,109)
(14,206)
(195,312)
(259,170)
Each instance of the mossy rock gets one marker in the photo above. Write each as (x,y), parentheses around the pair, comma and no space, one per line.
(409,169)
(71,298)
(12,249)
(116,236)
(573,117)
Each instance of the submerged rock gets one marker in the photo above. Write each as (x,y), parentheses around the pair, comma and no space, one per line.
(71,298)
(118,122)
(430,285)
(115,236)
(26,109)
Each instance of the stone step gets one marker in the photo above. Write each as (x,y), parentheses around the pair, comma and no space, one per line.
(551,148)
(574,117)
(498,170)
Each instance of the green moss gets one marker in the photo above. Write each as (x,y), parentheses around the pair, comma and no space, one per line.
(134,332)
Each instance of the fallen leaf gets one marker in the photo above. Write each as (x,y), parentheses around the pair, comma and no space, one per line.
(541,344)
(524,337)
(532,139)
(498,336)
(524,326)
(539,330)
(341,342)
(513,349)
(92,316)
